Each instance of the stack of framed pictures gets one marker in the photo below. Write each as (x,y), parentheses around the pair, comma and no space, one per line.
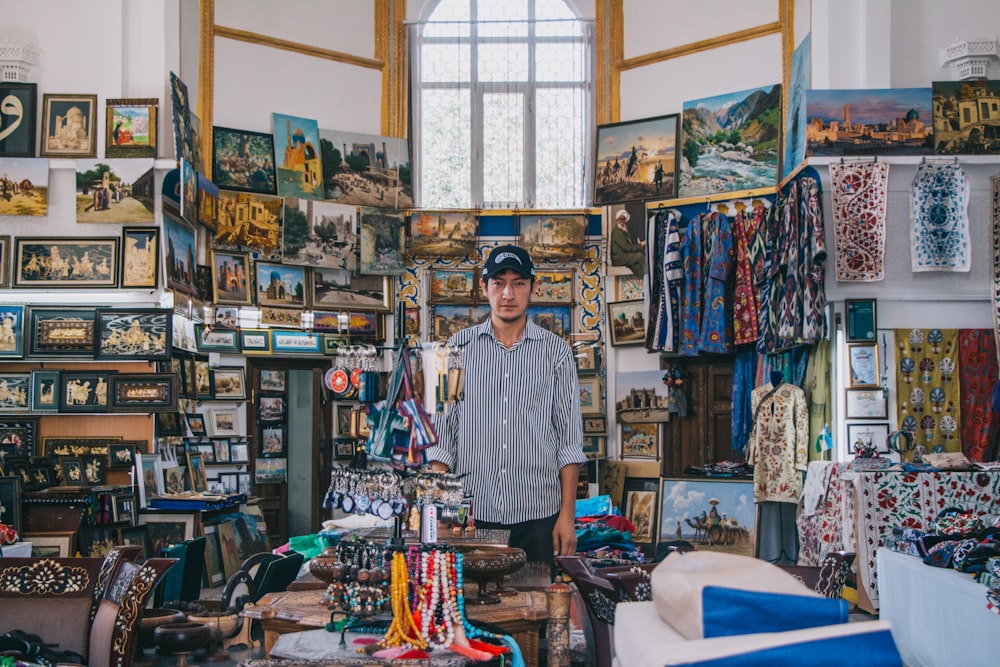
(865,400)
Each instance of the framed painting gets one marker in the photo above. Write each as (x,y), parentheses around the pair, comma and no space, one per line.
(588,359)
(84,391)
(627,320)
(964,117)
(11,332)
(202,378)
(263,238)
(68,125)
(271,471)
(140,334)
(32,202)
(220,447)
(135,536)
(865,404)
(300,172)
(239,451)
(196,424)
(411,324)
(716,515)
(447,320)
(637,160)
(168,423)
(189,193)
(144,392)
(626,234)
(104,189)
(224,421)
(280,285)
(344,447)
(230,278)
(208,204)
(63,332)
(17,437)
(243,160)
(207,451)
(372,169)
(4,262)
(20,108)
(77,445)
(383,241)
(831,132)
(196,472)
(335,289)
(443,234)
(641,500)
(229,383)
(281,317)
(555,287)
(211,339)
(343,417)
(95,468)
(554,236)
(121,455)
(42,263)
(140,258)
(595,446)
(72,470)
(180,255)
(52,544)
(271,408)
(597,425)
(740,152)
(868,436)
(554,318)
(320,235)
(173,478)
(591,398)
(452,285)
(255,341)
(227,317)
(296,342)
(862,320)
(273,441)
(863,366)
(273,379)
(150,480)
(131,127)
(167,528)
(10,502)
(640,440)
(14,392)
(214,575)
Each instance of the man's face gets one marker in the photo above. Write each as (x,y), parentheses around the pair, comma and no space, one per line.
(509,294)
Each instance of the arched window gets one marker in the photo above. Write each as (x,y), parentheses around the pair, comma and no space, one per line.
(501,105)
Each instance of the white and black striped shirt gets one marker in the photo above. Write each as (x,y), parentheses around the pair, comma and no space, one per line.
(518,425)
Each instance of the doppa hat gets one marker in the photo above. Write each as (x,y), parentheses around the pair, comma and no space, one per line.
(508,257)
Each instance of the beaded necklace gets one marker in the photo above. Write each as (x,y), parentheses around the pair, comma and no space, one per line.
(403,629)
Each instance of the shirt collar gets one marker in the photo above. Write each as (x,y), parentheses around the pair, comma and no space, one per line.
(531,330)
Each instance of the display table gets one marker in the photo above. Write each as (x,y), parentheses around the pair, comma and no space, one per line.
(938,616)
(320,645)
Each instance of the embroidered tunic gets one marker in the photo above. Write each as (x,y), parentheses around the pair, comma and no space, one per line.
(745,302)
(717,306)
(778,443)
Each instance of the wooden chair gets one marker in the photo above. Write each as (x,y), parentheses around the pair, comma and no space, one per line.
(829,578)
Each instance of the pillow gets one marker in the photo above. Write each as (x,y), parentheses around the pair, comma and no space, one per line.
(699,595)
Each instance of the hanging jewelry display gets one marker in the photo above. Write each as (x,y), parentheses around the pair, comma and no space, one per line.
(366,491)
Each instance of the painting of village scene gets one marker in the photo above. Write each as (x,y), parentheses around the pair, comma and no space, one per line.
(319,234)
(366,169)
(717,515)
(104,191)
(554,237)
(636,160)
(443,234)
(14,391)
(641,396)
(966,117)
(243,160)
(730,142)
(251,223)
(297,157)
(383,241)
(24,186)
(890,121)
(450,319)
(335,288)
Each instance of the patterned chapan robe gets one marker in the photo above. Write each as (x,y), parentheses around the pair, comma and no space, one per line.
(778,443)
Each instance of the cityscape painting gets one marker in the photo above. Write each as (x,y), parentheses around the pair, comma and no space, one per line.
(888,121)
(966,117)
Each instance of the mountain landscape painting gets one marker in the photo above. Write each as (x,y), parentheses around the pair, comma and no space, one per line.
(731,142)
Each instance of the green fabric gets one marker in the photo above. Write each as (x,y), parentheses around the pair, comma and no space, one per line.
(307,545)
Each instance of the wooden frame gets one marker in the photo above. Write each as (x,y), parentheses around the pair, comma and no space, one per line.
(281,285)
(182,239)
(15,389)
(140,258)
(686,512)
(452,285)
(296,342)
(84,391)
(862,320)
(597,425)
(229,383)
(4,261)
(220,447)
(271,408)
(130,127)
(865,404)
(62,541)
(168,423)
(202,377)
(144,392)
(207,451)
(72,469)
(196,424)
(121,455)
(640,440)
(196,472)
(150,479)
(627,322)
(62,332)
(80,445)
(58,138)
(44,263)
(588,359)
(869,434)
(616,143)
(223,421)
(591,401)
(231,278)
(231,149)
(343,417)
(273,441)
(11,331)
(137,334)
(273,379)
(10,501)
(255,341)
(862,365)
(17,437)
(595,446)
(212,339)
(173,478)
(19,133)
(95,468)
(138,536)
(271,471)
(166,529)
(641,506)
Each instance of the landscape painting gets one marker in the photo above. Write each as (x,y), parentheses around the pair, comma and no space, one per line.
(366,169)
(730,142)
(965,117)
(795,115)
(556,237)
(383,241)
(443,234)
(885,121)
(713,515)
(320,234)
(249,222)
(297,157)
(636,160)
(104,191)
(24,186)
(280,285)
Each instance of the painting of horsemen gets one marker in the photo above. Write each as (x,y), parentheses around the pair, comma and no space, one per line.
(143,333)
(24,186)
(636,160)
(713,515)
(78,262)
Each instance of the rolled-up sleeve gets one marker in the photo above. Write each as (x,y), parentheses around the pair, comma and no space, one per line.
(567,421)
(446,426)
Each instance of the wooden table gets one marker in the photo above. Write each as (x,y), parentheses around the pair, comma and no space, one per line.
(522,616)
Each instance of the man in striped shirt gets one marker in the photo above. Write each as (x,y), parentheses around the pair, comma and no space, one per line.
(516,434)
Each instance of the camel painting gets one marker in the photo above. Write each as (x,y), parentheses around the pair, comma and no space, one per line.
(717,515)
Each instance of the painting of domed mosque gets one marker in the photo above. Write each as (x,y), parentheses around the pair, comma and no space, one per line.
(887,121)
(297,157)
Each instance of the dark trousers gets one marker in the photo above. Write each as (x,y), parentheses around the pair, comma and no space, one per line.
(535,537)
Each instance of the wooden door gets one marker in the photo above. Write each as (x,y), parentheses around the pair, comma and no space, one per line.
(704,435)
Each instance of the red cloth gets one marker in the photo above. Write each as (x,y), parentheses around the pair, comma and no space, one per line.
(614,521)
(977,363)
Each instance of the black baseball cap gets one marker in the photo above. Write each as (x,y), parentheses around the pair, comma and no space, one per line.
(508,257)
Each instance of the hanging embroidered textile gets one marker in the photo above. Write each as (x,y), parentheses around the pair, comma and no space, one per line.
(664,281)
(745,301)
(977,358)
(814,291)
(928,403)
(717,306)
(829,525)
(691,300)
(995,188)
(859,205)
(939,219)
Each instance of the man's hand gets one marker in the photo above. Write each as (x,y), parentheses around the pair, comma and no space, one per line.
(564,536)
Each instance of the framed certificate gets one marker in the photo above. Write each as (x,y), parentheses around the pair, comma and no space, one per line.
(862,365)
(861,320)
(865,404)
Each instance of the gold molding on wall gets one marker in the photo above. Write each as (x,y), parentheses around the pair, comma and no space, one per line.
(390,48)
(206,82)
(258,39)
(702,45)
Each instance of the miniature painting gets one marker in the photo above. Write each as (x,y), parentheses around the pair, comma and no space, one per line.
(282,317)
(243,160)
(452,285)
(640,441)
(14,392)
(641,496)
(68,125)
(134,334)
(383,241)
(333,288)
(272,441)
(104,191)
(366,169)
(230,278)
(556,319)
(297,156)
(18,104)
(554,237)
(443,234)
(554,287)
(237,210)
(319,234)
(640,396)
(131,128)
(885,121)
(449,320)
(717,515)
(636,160)
(280,285)
(965,117)
(626,225)
(24,186)
(731,142)
(11,331)
(180,255)
(627,320)
(44,397)
(78,262)
(140,257)
(273,380)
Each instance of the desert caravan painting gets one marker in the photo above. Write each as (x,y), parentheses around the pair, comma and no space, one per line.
(716,515)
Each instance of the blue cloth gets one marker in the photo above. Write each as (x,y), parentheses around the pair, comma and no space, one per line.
(870,649)
(732,611)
